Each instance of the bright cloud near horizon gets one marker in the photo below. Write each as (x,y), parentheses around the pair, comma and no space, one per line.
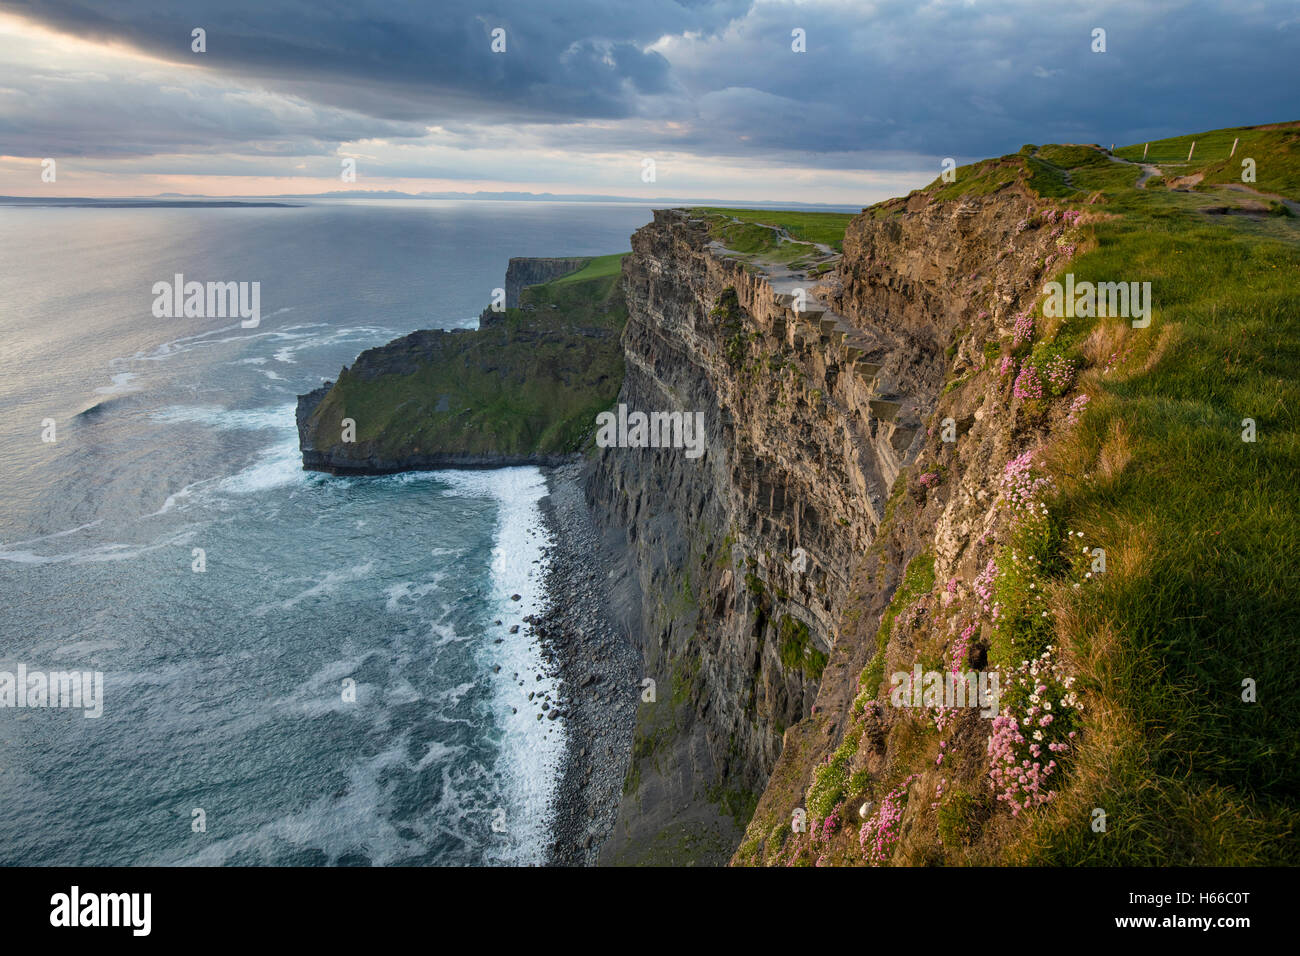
(587,90)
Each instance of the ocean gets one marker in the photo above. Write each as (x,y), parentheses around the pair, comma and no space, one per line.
(325,691)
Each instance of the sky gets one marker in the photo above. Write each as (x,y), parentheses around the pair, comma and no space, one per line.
(712,99)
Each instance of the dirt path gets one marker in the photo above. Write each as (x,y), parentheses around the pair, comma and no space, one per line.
(1147,170)
(1243,188)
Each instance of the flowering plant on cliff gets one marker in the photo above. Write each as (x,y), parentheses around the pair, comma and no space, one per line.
(1058,371)
(984,588)
(819,836)
(1027,387)
(1024,329)
(1077,408)
(1036,727)
(880,833)
(961,647)
(1038,722)
(1020,487)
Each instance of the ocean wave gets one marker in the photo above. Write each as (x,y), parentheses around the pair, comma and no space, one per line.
(279,465)
(532,751)
(329,584)
(122,384)
(214,416)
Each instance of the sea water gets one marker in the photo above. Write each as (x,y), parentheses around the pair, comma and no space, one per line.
(328,689)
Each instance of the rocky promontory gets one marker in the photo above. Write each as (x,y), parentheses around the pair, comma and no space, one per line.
(523,388)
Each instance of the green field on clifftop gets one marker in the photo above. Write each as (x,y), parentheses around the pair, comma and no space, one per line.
(826,228)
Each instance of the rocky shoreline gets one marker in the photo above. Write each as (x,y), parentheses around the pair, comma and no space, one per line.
(583,639)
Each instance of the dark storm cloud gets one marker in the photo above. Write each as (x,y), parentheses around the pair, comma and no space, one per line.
(934,78)
(569,59)
(984,78)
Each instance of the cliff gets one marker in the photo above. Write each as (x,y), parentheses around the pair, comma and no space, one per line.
(810,418)
(918,467)
(925,470)
(523,388)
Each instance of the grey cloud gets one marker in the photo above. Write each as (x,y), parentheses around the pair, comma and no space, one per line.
(934,79)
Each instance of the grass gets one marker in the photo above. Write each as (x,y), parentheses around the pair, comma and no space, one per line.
(1275,149)
(980,179)
(1201,529)
(797,649)
(1071,172)
(826,228)
(601,267)
(757,242)
(918,579)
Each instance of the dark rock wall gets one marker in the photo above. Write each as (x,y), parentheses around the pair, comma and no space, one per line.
(809,420)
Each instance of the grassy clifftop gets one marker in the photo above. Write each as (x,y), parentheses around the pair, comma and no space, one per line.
(526,385)
(1173,448)
(1073,171)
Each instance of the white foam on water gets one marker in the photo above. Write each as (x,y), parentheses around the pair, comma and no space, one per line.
(122,385)
(281,464)
(56,534)
(347,821)
(329,584)
(332,337)
(276,465)
(214,416)
(93,555)
(294,333)
(532,750)
(175,346)
(403,595)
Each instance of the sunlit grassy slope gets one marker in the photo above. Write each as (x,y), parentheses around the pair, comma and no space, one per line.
(1275,150)
(1203,527)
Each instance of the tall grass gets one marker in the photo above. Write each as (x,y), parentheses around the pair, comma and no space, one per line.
(1202,533)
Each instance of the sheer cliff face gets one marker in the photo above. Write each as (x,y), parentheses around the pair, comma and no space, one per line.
(748,557)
